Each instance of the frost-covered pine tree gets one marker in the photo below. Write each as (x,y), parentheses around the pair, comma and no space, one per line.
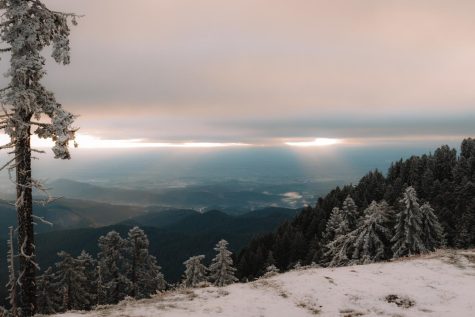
(48,297)
(71,278)
(373,236)
(90,284)
(27,27)
(350,214)
(339,251)
(12,278)
(432,231)
(145,275)
(271,270)
(221,269)
(408,238)
(195,272)
(333,225)
(114,267)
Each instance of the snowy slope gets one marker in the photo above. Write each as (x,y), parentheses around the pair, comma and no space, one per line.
(440,284)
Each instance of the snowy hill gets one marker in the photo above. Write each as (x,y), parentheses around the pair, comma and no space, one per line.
(440,284)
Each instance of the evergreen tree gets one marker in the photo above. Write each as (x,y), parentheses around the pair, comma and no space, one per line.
(72,280)
(350,216)
(145,275)
(48,298)
(408,238)
(432,232)
(221,268)
(333,225)
(195,272)
(271,270)
(27,28)
(113,267)
(373,236)
(90,284)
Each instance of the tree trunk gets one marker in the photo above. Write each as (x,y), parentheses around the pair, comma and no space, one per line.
(26,238)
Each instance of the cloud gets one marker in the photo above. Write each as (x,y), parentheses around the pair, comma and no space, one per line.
(235,71)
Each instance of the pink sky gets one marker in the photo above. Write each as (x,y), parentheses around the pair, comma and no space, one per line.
(257,71)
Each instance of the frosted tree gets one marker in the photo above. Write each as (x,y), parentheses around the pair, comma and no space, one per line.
(12,278)
(408,237)
(114,267)
(71,278)
(271,270)
(195,272)
(221,269)
(340,250)
(350,214)
(333,224)
(89,265)
(432,232)
(48,297)
(373,237)
(145,275)
(27,27)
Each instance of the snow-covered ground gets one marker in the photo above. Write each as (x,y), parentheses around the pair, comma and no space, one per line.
(440,284)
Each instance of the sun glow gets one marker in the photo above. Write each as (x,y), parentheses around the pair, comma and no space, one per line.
(316,143)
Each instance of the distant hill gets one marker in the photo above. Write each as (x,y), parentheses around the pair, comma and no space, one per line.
(70,213)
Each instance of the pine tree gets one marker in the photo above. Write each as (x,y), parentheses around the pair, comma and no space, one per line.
(333,225)
(221,268)
(90,284)
(12,278)
(27,28)
(340,250)
(408,238)
(432,232)
(195,272)
(271,270)
(48,298)
(350,215)
(373,236)
(114,267)
(72,280)
(145,275)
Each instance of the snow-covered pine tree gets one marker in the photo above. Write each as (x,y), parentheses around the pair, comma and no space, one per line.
(71,278)
(432,231)
(145,275)
(373,237)
(90,284)
(408,237)
(195,272)
(221,269)
(333,225)
(114,267)
(12,278)
(48,297)
(271,270)
(26,28)
(350,214)
(340,250)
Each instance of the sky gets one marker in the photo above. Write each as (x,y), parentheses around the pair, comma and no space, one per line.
(262,72)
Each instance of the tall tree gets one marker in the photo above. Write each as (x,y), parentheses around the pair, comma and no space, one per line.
(144,272)
(48,296)
(432,232)
(72,280)
(221,269)
(113,267)
(373,236)
(27,27)
(408,237)
(195,272)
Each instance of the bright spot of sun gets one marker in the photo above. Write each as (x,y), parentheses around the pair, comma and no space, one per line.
(315,143)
